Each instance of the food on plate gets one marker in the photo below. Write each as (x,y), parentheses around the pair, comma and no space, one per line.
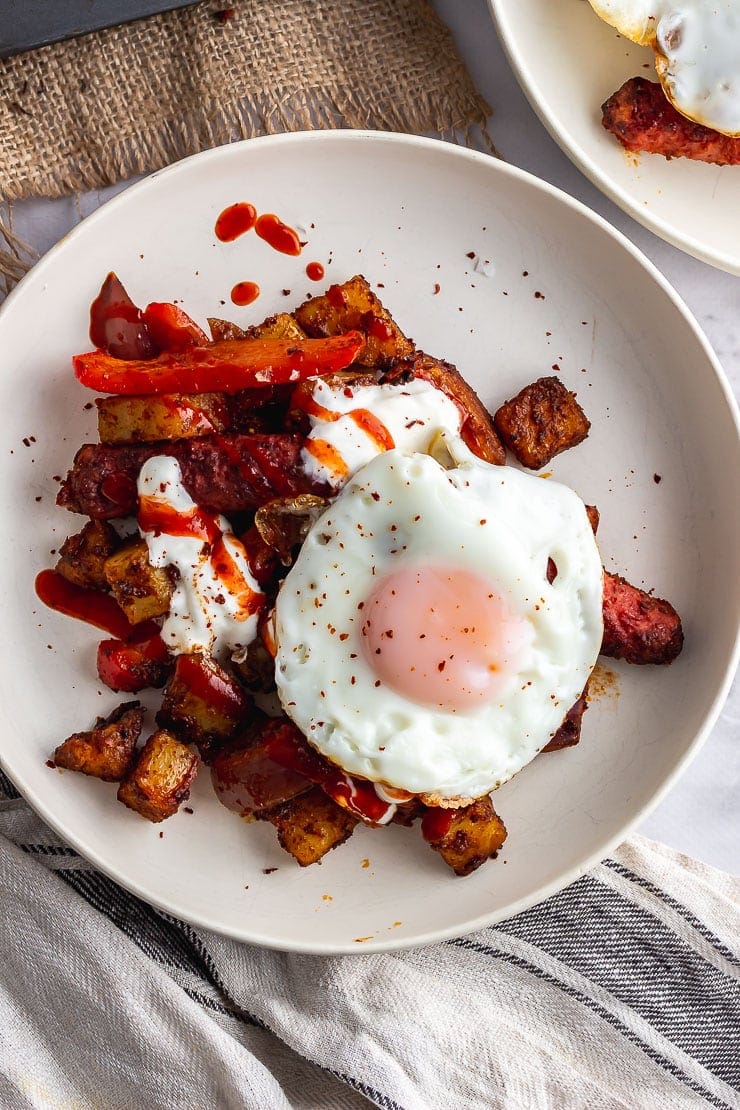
(359,614)
(638,627)
(82,557)
(160,778)
(108,749)
(697,58)
(639,115)
(541,421)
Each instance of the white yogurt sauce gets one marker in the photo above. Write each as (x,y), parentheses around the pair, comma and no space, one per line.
(338,444)
(208,611)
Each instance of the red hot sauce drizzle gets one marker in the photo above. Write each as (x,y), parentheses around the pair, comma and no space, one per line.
(356,795)
(277,234)
(314,271)
(92,606)
(436,823)
(235,220)
(245,292)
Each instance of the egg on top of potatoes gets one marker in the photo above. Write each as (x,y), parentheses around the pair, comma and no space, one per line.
(697,52)
(419,641)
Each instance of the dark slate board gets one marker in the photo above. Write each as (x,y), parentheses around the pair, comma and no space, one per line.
(25,24)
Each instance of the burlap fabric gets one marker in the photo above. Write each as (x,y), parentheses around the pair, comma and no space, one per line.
(82,114)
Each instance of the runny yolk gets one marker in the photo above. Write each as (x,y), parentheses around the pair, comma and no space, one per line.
(440,635)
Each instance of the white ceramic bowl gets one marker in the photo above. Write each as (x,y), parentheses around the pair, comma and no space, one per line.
(568,61)
(405,212)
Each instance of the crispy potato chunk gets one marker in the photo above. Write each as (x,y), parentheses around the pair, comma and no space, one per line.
(170,416)
(541,421)
(354,306)
(474,835)
(107,750)
(203,703)
(142,591)
(82,556)
(311,825)
(477,430)
(160,779)
(280,326)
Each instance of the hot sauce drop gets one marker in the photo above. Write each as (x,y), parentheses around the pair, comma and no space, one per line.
(235,220)
(245,292)
(314,271)
(88,605)
(279,236)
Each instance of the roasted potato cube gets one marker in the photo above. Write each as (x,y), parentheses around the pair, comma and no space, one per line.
(354,306)
(477,429)
(224,329)
(203,703)
(474,834)
(161,777)
(569,732)
(170,416)
(82,556)
(142,591)
(311,825)
(541,421)
(281,326)
(107,750)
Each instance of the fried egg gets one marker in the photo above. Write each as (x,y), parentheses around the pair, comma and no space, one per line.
(697,52)
(419,643)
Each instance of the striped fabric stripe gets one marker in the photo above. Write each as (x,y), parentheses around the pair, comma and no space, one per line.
(629,953)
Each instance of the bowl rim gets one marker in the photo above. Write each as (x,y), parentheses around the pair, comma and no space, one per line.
(606,844)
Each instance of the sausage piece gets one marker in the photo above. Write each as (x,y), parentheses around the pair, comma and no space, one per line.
(638,627)
(641,117)
(224,474)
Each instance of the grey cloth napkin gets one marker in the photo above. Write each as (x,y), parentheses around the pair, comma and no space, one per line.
(621,991)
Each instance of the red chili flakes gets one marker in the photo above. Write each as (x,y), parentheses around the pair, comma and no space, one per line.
(437,287)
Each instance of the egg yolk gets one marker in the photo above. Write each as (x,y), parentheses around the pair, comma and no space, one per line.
(442,636)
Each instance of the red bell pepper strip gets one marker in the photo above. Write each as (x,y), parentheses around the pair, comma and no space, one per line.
(228,366)
(172,329)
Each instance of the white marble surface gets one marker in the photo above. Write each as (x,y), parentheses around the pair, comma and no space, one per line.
(701,815)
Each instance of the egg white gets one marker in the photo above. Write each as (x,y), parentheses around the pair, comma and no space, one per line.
(495,521)
(697,52)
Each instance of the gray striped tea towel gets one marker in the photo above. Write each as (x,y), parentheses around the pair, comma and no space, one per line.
(621,991)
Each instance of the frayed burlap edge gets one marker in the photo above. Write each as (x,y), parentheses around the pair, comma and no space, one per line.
(16,256)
